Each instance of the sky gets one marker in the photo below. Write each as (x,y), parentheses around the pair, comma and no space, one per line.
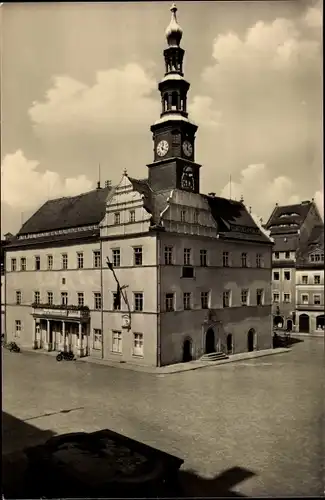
(79,89)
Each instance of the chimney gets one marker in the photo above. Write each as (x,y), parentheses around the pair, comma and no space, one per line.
(305,202)
(98,185)
(211,194)
(108,184)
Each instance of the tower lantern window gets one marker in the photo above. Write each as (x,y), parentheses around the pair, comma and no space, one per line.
(174,100)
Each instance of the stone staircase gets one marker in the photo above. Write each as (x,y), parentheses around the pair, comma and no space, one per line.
(214,356)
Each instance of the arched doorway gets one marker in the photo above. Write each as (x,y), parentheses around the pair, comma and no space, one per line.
(320,322)
(278,322)
(229,343)
(289,325)
(304,323)
(210,341)
(187,350)
(251,340)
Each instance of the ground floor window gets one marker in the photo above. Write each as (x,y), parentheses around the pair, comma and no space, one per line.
(138,344)
(97,338)
(17,327)
(117,341)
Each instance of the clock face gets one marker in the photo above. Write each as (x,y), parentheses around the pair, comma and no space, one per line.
(187,148)
(162,148)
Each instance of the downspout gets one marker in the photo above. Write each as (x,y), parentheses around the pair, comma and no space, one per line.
(158,242)
(101,293)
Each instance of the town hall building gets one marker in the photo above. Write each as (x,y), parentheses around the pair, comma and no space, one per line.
(150,271)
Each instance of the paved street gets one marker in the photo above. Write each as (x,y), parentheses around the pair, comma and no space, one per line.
(264,415)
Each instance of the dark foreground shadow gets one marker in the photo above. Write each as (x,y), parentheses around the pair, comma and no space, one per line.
(282,340)
(31,471)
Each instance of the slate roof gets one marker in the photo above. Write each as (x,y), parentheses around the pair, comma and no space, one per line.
(288,243)
(233,219)
(288,214)
(63,213)
(315,242)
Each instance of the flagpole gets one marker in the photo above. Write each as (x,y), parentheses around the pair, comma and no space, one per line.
(120,288)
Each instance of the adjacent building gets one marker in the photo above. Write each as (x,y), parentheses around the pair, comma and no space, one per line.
(291,228)
(310,284)
(150,271)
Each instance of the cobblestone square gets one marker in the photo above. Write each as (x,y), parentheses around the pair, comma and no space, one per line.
(264,415)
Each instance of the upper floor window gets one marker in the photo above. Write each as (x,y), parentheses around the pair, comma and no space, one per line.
(183,215)
(276,276)
(276,297)
(132,216)
(13,264)
(259,296)
(18,297)
(196,217)
(50,261)
(205,300)
(137,256)
(187,300)
(304,279)
(258,260)
(64,261)
(138,301)
(116,301)
(64,298)
(169,302)
(37,262)
(116,257)
(37,297)
(23,264)
(305,298)
(316,279)
(168,253)
(81,299)
(97,301)
(286,298)
(244,259)
(50,298)
(96,258)
(203,258)
(117,218)
(80,260)
(226,298)
(316,257)
(287,275)
(317,300)
(225,259)
(276,255)
(287,255)
(244,297)
(187,256)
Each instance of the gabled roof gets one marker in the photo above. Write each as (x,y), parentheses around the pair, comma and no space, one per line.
(287,243)
(288,214)
(315,244)
(68,212)
(234,220)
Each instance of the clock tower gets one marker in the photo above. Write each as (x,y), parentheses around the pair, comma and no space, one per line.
(174,164)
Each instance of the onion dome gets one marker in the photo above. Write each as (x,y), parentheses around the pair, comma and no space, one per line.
(174,32)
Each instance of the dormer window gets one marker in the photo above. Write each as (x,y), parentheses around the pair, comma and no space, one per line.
(316,257)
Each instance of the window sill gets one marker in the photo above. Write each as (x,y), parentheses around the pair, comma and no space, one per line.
(138,356)
(118,353)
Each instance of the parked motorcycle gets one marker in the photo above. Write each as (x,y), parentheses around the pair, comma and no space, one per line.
(13,347)
(67,356)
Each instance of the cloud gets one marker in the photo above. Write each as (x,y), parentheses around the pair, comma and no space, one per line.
(266,90)
(119,98)
(261,191)
(24,187)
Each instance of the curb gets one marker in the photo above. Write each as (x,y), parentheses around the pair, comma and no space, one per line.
(175,368)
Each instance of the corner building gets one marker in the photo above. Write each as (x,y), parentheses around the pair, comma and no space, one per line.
(193,270)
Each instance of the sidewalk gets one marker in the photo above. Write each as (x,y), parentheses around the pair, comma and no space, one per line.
(176,368)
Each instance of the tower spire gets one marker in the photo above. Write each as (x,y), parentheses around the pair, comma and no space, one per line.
(174,32)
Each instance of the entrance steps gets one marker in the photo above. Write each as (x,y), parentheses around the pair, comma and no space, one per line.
(214,356)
